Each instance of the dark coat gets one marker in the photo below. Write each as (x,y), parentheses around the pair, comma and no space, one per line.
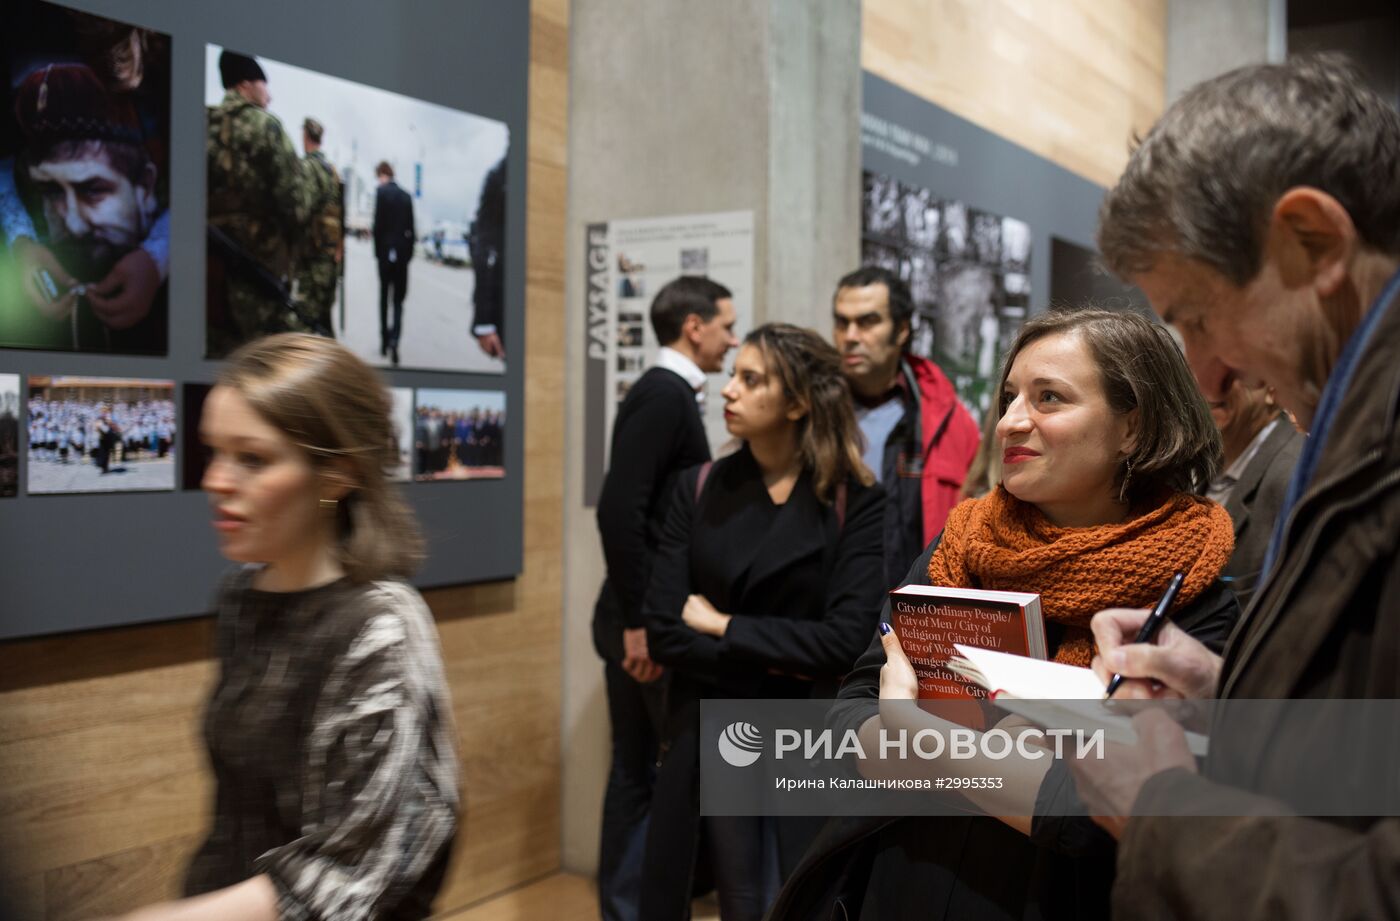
(1326,624)
(965,867)
(657,434)
(803,590)
(394,230)
(1254,502)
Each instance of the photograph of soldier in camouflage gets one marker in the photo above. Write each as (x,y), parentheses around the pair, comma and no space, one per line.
(84,194)
(353,212)
(968,271)
(459,434)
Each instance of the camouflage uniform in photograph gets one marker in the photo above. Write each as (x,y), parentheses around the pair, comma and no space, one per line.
(318,270)
(259,198)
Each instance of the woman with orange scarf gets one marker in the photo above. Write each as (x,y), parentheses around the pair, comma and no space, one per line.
(1105,441)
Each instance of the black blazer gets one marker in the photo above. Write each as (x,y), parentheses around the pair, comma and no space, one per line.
(1254,503)
(393,223)
(804,591)
(967,867)
(657,434)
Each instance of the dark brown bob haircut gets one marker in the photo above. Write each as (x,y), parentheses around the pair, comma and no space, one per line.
(809,369)
(1141,367)
(334,407)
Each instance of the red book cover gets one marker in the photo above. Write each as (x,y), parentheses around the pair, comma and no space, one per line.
(929,619)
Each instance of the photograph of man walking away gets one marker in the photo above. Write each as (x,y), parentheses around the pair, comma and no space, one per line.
(387,234)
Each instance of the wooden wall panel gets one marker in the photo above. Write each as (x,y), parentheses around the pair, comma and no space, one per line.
(1071,80)
(103,788)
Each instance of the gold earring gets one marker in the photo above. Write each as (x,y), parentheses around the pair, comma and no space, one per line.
(329,505)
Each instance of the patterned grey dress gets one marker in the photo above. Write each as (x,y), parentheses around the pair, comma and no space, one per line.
(331,739)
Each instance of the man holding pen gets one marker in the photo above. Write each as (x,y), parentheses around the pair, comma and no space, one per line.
(1261,216)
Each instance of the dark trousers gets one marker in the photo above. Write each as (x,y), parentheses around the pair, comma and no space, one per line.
(393,286)
(635,712)
(744,856)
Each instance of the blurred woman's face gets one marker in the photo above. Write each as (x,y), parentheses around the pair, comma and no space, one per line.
(264,491)
(1061,444)
(754,403)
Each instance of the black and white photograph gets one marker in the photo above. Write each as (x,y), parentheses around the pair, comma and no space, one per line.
(9,435)
(100,434)
(84,182)
(354,212)
(967,270)
(459,434)
(695,260)
(633,362)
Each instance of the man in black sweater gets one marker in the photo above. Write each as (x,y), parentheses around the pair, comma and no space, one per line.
(657,434)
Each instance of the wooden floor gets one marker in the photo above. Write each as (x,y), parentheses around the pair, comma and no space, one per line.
(561,897)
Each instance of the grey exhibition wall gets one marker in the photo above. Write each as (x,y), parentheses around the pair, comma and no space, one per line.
(72,562)
(958,160)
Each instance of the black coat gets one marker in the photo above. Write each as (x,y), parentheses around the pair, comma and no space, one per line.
(803,590)
(657,434)
(393,223)
(1254,503)
(966,867)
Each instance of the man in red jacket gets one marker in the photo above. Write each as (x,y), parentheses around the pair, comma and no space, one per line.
(919,439)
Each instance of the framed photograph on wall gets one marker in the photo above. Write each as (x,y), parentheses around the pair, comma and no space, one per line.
(100,434)
(458,434)
(354,212)
(84,182)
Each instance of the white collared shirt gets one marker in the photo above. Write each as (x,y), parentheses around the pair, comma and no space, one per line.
(689,371)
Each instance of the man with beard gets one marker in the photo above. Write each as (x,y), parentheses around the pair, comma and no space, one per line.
(92,185)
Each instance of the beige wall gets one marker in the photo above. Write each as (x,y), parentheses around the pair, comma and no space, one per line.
(103,789)
(1071,80)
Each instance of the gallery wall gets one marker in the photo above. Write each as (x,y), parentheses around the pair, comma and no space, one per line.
(1070,80)
(445,111)
(102,774)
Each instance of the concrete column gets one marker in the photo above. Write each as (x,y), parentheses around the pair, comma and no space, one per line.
(1206,38)
(679,107)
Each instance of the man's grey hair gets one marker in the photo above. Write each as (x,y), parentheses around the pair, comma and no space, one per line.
(1204,181)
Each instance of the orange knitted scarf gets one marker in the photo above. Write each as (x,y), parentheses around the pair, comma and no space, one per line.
(1000,542)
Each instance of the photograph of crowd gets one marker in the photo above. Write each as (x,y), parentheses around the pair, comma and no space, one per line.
(354,212)
(9,435)
(84,191)
(459,434)
(100,434)
(968,271)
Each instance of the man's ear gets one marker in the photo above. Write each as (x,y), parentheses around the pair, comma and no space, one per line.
(901,338)
(1312,238)
(690,328)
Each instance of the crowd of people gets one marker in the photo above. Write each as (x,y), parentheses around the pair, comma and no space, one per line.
(1260,215)
(102,433)
(445,441)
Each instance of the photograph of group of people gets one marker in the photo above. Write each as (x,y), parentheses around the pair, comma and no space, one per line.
(438,434)
(459,434)
(84,182)
(99,434)
(351,211)
(967,269)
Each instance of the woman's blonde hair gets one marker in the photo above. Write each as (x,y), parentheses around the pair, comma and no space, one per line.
(335,407)
(809,368)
